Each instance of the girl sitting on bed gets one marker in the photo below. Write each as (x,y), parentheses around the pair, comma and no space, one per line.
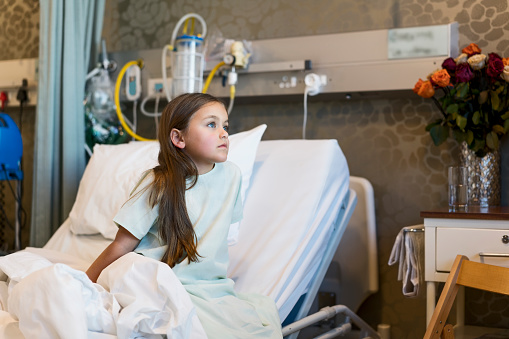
(180,213)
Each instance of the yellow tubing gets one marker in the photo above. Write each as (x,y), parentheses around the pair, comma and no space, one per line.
(232,92)
(117,100)
(211,75)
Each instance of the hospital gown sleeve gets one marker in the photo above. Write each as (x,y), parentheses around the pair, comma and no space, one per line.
(137,215)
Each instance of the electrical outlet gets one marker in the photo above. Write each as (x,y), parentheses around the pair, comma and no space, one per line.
(155,87)
(314,82)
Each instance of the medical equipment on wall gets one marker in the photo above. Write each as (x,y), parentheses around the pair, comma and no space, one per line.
(118,84)
(234,54)
(133,83)
(187,71)
(133,91)
(11,151)
(101,123)
(186,57)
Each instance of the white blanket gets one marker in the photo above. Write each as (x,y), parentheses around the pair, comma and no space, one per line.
(135,296)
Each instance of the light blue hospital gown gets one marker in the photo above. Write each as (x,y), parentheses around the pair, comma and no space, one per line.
(213,204)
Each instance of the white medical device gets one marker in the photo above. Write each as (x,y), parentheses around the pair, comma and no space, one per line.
(187,65)
(186,58)
(133,83)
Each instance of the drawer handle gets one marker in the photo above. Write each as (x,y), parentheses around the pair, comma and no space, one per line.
(505,238)
(499,255)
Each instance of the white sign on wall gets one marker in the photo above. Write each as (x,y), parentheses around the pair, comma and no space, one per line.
(418,42)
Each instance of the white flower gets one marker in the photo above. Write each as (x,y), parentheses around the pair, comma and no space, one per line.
(477,61)
(462,58)
(505,73)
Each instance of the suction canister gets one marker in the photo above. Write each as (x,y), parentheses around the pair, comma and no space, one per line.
(187,65)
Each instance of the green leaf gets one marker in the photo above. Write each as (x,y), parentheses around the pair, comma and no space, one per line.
(476,118)
(483,96)
(506,126)
(505,115)
(460,136)
(439,134)
(492,140)
(498,129)
(461,121)
(470,137)
(478,145)
(436,122)
(462,90)
(451,109)
(495,100)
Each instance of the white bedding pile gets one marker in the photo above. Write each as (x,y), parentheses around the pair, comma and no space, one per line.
(57,301)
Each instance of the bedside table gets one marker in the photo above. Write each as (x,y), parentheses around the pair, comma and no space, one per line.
(482,234)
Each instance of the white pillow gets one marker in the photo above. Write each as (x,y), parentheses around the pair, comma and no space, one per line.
(113,170)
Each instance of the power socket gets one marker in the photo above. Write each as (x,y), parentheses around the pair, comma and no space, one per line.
(155,87)
(314,82)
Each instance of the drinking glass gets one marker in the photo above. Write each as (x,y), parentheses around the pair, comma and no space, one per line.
(458,184)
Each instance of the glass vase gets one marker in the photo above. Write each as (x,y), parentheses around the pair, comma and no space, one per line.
(483,177)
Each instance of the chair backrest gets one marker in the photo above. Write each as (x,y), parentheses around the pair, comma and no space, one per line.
(470,274)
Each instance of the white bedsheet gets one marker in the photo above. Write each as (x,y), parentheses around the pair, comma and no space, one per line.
(41,299)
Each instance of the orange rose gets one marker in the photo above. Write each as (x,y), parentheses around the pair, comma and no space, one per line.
(426,90)
(418,86)
(471,49)
(505,61)
(441,78)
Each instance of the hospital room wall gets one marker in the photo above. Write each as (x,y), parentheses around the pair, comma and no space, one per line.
(383,140)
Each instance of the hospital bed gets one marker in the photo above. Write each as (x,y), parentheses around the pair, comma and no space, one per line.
(297,206)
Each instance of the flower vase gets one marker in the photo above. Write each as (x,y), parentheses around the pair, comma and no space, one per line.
(483,177)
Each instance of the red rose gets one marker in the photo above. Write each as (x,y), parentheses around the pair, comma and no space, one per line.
(495,65)
(464,73)
(449,65)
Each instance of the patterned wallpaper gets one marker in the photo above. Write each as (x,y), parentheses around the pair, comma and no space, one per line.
(19,29)
(383,140)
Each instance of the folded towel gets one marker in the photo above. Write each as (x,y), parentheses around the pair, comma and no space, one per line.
(406,251)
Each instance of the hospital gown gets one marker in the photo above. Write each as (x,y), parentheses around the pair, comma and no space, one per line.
(213,204)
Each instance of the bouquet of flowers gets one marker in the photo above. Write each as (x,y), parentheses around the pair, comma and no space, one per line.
(471,92)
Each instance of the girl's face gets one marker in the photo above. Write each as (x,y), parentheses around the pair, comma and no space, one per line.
(206,137)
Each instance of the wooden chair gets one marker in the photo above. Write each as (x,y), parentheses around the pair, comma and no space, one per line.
(465,273)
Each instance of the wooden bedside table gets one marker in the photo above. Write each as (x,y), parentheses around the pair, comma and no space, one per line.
(482,234)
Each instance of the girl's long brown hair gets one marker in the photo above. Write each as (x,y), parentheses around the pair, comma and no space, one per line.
(175,173)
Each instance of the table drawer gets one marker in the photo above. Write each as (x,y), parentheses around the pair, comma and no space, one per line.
(470,242)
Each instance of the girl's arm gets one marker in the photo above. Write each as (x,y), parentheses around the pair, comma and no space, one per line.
(124,243)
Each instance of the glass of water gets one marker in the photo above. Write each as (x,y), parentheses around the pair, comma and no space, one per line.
(458,196)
